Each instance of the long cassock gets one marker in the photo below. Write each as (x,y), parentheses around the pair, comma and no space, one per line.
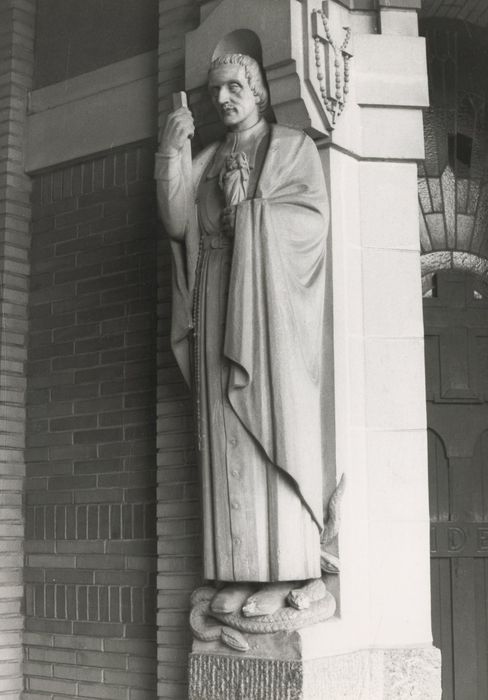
(247,331)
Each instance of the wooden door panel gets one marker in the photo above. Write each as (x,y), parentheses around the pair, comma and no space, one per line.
(441,621)
(481,622)
(465,642)
(439,487)
(480,467)
(456,330)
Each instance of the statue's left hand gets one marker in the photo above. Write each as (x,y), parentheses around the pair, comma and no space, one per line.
(228,221)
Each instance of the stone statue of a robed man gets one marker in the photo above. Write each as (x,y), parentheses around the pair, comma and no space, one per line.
(248,237)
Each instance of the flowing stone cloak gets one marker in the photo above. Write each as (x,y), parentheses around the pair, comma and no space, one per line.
(275,309)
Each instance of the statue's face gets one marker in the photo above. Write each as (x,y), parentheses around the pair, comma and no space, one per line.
(232,97)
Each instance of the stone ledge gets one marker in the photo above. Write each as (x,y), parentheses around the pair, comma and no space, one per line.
(379,674)
(68,120)
(364,5)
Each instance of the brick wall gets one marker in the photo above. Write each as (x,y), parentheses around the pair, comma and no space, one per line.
(91,471)
(16,45)
(179,527)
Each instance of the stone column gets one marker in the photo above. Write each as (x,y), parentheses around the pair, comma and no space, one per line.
(16,61)
(379,362)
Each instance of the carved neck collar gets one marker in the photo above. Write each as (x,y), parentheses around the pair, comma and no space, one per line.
(240,140)
(246,141)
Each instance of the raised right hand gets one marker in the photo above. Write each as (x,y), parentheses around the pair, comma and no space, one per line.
(178,128)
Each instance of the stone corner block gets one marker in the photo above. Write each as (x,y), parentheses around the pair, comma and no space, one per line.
(380,674)
(410,673)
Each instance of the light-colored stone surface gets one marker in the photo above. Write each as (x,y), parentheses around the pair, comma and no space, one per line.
(391,282)
(402,22)
(399,574)
(397,469)
(356,382)
(354,291)
(390,70)
(349,394)
(381,127)
(379,366)
(395,384)
(389,216)
(412,673)
(380,298)
(382,674)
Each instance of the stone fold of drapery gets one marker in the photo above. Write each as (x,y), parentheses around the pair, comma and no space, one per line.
(275,313)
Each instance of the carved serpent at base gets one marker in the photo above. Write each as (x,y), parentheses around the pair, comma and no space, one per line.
(310,604)
(205,628)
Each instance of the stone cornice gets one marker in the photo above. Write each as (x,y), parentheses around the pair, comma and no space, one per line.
(375,4)
(68,120)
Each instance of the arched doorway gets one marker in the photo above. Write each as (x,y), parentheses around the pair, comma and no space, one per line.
(456,343)
(453,198)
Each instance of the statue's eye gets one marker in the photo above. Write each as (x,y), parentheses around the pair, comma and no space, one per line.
(234,87)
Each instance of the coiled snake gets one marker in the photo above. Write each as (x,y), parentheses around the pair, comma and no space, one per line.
(317,603)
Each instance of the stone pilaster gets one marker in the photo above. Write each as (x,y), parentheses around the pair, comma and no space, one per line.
(378,333)
(370,162)
(16,62)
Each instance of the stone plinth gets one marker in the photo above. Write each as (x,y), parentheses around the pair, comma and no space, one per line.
(378,674)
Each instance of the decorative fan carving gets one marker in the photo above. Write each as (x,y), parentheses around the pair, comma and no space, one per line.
(453,180)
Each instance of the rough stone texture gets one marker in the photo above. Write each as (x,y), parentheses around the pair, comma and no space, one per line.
(91,473)
(455,260)
(412,673)
(392,674)
(16,47)
(232,678)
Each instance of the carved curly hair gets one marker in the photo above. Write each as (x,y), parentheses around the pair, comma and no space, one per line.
(254,75)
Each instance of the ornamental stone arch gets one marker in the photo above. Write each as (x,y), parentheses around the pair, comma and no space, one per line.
(453,178)
(444,260)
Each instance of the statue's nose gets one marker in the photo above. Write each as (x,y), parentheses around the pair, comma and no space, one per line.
(223,95)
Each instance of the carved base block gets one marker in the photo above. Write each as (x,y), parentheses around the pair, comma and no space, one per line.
(379,674)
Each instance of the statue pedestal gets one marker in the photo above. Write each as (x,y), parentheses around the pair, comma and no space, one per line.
(299,665)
